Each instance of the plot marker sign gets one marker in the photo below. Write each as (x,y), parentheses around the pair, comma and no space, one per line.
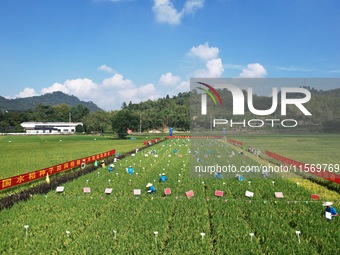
(189,194)
(167,191)
(251,236)
(298,235)
(249,194)
(278,194)
(108,190)
(87,190)
(137,192)
(219,193)
(315,196)
(60,189)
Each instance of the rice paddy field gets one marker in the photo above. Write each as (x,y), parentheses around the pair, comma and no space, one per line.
(307,148)
(190,220)
(21,154)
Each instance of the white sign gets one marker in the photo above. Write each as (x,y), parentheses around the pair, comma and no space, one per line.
(108,190)
(249,194)
(60,189)
(328,215)
(137,192)
(278,194)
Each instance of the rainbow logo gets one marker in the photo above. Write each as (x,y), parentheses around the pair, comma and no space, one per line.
(212,93)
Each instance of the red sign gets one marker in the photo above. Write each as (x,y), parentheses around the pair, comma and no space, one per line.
(156,140)
(189,194)
(27,177)
(315,196)
(218,193)
(167,191)
(235,142)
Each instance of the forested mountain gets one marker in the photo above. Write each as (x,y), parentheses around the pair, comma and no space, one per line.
(50,99)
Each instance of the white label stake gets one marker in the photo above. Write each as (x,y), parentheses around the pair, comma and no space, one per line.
(251,236)
(156,234)
(298,234)
(26,227)
(202,234)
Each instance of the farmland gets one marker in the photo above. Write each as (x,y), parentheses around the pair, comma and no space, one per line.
(308,148)
(123,223)
(25,154)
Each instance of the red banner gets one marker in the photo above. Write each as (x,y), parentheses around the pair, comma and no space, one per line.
(194,137)
(27,177)
(152,141)
(308,168)
(237,143)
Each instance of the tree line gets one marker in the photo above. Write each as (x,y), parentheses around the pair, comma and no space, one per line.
(159,115)
(173,112)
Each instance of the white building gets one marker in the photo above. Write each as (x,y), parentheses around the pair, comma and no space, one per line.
(50,127)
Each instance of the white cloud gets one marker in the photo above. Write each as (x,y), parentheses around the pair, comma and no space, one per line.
(108,95)
(214,69)
(105,68)
(148,91)
(117,81)
(183,86)
(169,79)
(80,87)
(204,52)
(191,6)
(253,70)
(213,64)
(166,12)
(294,69)
(137,94)
(27,92)
(55,87)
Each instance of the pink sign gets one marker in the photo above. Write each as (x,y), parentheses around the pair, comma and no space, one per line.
(189,194)
(218,193)
(278,194)
(137,192)
(167,191)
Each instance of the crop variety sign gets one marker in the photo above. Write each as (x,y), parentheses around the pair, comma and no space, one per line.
(28,177)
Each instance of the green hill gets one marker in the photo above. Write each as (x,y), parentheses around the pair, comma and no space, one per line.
(50,99)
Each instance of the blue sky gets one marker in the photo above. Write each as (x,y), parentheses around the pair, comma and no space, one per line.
(111,51)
